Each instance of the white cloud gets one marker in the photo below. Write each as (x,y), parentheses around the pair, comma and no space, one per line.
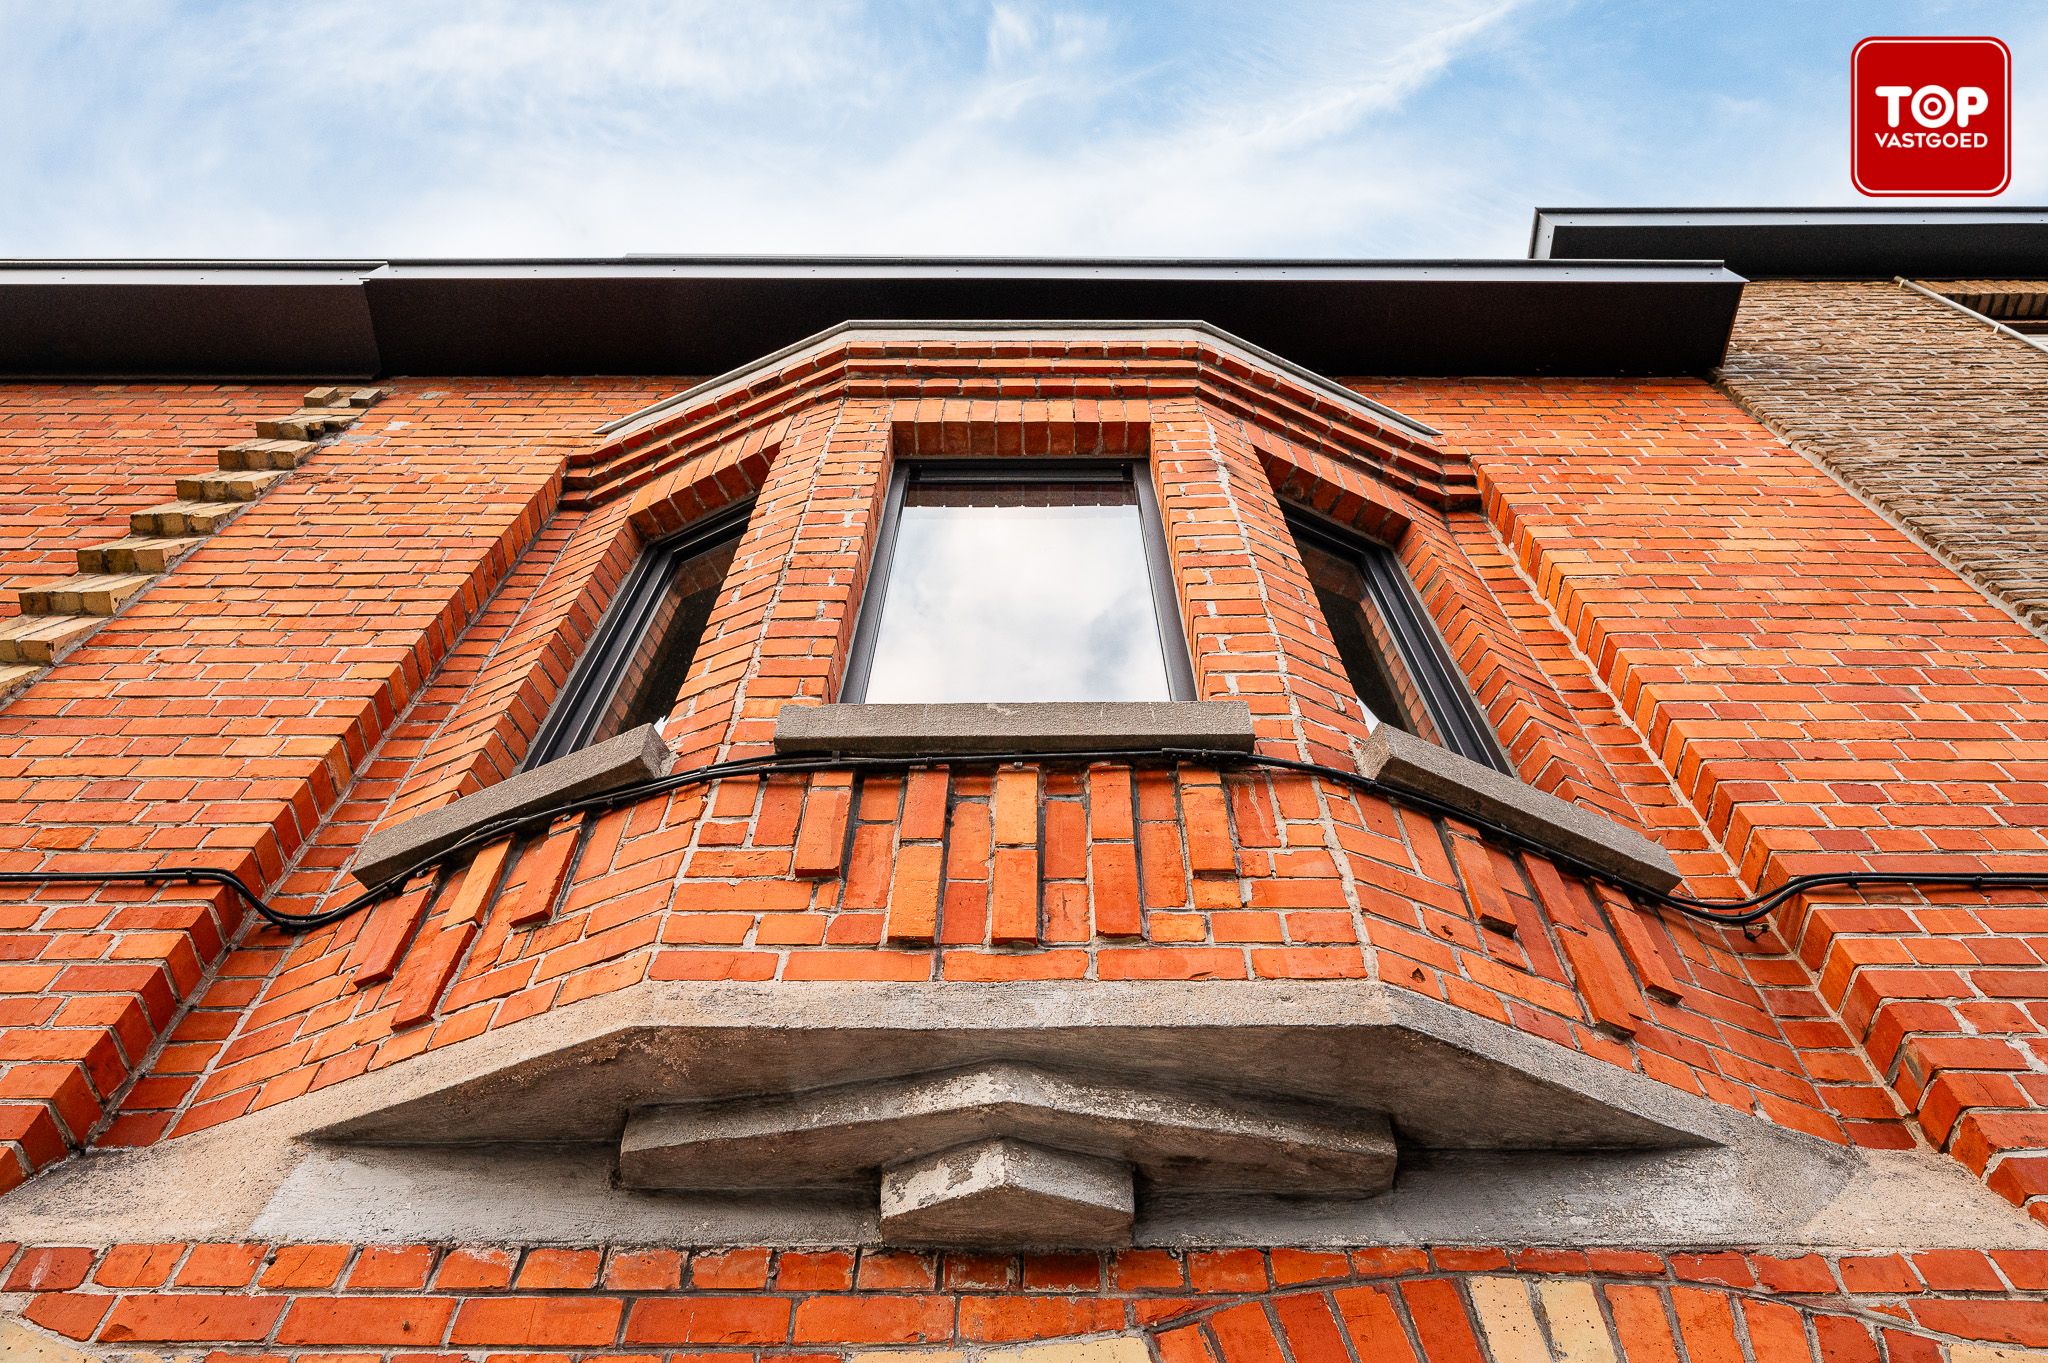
(1405,127)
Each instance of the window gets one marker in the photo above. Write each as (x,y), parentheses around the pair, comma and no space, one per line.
(635,666)
(1396,661)
(1015,581)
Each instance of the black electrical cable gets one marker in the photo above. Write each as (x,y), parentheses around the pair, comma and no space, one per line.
(1737,913)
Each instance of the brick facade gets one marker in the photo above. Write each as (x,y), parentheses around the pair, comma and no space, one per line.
(1670,616)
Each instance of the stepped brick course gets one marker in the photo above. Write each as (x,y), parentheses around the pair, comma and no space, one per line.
(56,615)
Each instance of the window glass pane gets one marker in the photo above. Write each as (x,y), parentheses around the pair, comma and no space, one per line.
(1371,658)
(1026,591)
(655,672)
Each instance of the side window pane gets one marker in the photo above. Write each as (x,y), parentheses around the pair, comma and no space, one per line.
(1017,591)
(637,662)
(1391,652)
(656,669)
(1364,643)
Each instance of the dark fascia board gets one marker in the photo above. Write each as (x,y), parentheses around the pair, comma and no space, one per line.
(1808,243)
(187,319)
(677,316)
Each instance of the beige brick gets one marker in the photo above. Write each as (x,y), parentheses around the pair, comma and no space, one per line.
(1116,1349)
(14,676)
(254,455)
(24,1343)
(343,395)
(185,518)
(1578,1332)
(137,553)
(307,424)
(38,640)
(1502,1305)
(86,594)
(226,487)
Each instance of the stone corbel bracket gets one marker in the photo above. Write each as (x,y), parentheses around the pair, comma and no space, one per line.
(1003,1153)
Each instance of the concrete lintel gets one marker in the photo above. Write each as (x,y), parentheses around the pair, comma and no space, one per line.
(965,730)
(847,1132)
(636,755)
(1403,762)
(1445,1077)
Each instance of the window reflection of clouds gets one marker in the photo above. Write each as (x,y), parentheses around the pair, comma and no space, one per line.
(1018,603)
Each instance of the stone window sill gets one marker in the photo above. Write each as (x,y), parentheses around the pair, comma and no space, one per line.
(979,730)
(634,756)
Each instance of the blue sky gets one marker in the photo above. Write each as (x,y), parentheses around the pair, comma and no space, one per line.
(1402,128)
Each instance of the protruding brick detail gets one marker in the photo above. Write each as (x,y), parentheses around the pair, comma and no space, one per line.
(112,574)
(1937,418)
(37,640)
(86,594)
(1885,717)
(137,553)
(256,455)
(227,713)
(352,704)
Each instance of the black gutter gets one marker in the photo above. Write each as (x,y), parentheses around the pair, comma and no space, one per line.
(1807,243)
(689,315)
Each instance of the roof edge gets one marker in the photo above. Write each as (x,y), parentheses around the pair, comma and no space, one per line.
(1834,241)
(687,315)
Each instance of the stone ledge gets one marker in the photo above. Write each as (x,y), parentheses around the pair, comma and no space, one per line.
(635,755)
(981,729)
(1446,1077)
(1403,762)
(269,1175)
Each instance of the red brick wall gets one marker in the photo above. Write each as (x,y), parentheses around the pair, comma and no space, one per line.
(1670,617)
(1106,874)
(433,1303)
(1927,411)
(1822,693)
(226,713)
(79,458)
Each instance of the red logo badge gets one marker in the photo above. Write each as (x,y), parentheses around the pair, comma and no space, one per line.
(1931,116)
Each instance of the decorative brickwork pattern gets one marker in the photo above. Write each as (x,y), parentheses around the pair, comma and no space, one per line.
(1105,873)
(1821,693)
(1933,416)
(1669,616)
(56,615)
(222,716)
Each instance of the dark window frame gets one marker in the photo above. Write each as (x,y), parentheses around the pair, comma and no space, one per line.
(1173,644)
(1452,707)
(599,672)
